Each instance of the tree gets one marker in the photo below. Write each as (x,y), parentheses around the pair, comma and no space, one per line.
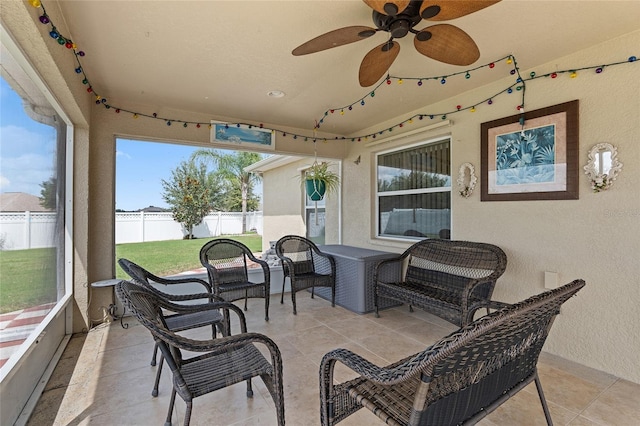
(233,199)
(48,194)
(231,168)
(192,193)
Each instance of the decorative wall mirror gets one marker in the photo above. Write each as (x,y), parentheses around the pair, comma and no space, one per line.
(466,180)
(603,166)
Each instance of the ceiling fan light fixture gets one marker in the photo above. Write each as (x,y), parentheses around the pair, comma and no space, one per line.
(399,28)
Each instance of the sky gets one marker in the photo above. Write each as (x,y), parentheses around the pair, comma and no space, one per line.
(27,158)
(140,168)
(26,147)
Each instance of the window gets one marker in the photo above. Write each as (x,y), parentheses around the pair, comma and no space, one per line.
(35,228)
(414,191)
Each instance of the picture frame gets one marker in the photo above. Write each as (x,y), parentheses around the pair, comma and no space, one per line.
(253,137)
(537,161)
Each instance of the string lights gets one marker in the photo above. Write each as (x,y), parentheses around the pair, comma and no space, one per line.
(519,85)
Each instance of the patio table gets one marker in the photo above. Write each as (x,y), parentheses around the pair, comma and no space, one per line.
(355,267)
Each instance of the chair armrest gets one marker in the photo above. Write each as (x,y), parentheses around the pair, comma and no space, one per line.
(186,309)
(185,280)
(384,264)
(222,343)
(389,375)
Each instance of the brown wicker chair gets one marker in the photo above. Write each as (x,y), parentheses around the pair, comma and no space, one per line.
(219,363)
(451,279)
(227,263)
(306,266)
(458,380)
(181,292)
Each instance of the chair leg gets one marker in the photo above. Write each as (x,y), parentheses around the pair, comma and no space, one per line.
(246,297)
(187,414)
(155,354)
(249,389)
(171,403)
(284,279)
(313,292)
(293,300)
(333,296)
(154,392)
(266,307)
(545,407)
(410,308)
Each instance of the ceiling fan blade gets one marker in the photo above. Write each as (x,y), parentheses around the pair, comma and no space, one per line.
(447,43)
(388,7)
(377,62)
(334,38)
(444,10)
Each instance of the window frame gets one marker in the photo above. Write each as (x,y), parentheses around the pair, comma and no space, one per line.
(377,193)
(62,306)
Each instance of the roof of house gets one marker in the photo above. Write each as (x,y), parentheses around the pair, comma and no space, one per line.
(20,202)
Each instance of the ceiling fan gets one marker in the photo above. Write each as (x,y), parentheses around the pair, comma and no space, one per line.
(442,42)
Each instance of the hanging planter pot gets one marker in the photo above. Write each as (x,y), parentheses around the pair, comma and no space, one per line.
(315,189)
(319,180)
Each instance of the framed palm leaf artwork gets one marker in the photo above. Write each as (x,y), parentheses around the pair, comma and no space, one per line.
(531,156)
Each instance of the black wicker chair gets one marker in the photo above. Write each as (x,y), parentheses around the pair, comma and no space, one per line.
(227,262)
(451,279)
(306,266)
(458,380)
(183,288)
(218,363)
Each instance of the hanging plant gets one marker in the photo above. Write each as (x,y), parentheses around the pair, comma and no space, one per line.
(319,180)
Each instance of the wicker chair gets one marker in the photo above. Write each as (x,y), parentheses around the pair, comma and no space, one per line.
(181,321)
(219,363)
(306,266)
(227,263)
(451,279)
(458,380)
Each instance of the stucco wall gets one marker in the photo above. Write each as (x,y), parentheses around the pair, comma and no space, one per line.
(283,204)
(596,238)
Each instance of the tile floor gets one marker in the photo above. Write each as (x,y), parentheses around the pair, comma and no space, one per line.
(104,376)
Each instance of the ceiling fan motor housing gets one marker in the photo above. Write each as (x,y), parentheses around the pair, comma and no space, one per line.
(398,25)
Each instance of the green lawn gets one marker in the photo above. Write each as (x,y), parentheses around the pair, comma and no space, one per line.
(170,257)
(27,277)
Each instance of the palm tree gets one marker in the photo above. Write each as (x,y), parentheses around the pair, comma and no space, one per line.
(231,167)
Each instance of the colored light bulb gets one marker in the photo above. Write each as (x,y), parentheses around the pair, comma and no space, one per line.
(443,81)
(554,75)
(467,76)
(419,82)
(400,81)
(509,60)
(458,107)
(532,74)
(35,3)
(388,81)
(473,109)
(598,70)
(573,74)
(44,19)
(492,65)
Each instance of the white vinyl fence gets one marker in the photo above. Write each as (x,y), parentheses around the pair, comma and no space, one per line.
(24,230)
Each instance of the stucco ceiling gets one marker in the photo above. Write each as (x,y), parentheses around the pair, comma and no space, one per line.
(221,58)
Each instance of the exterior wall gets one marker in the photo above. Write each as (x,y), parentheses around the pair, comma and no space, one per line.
(596,238)
(283,199)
